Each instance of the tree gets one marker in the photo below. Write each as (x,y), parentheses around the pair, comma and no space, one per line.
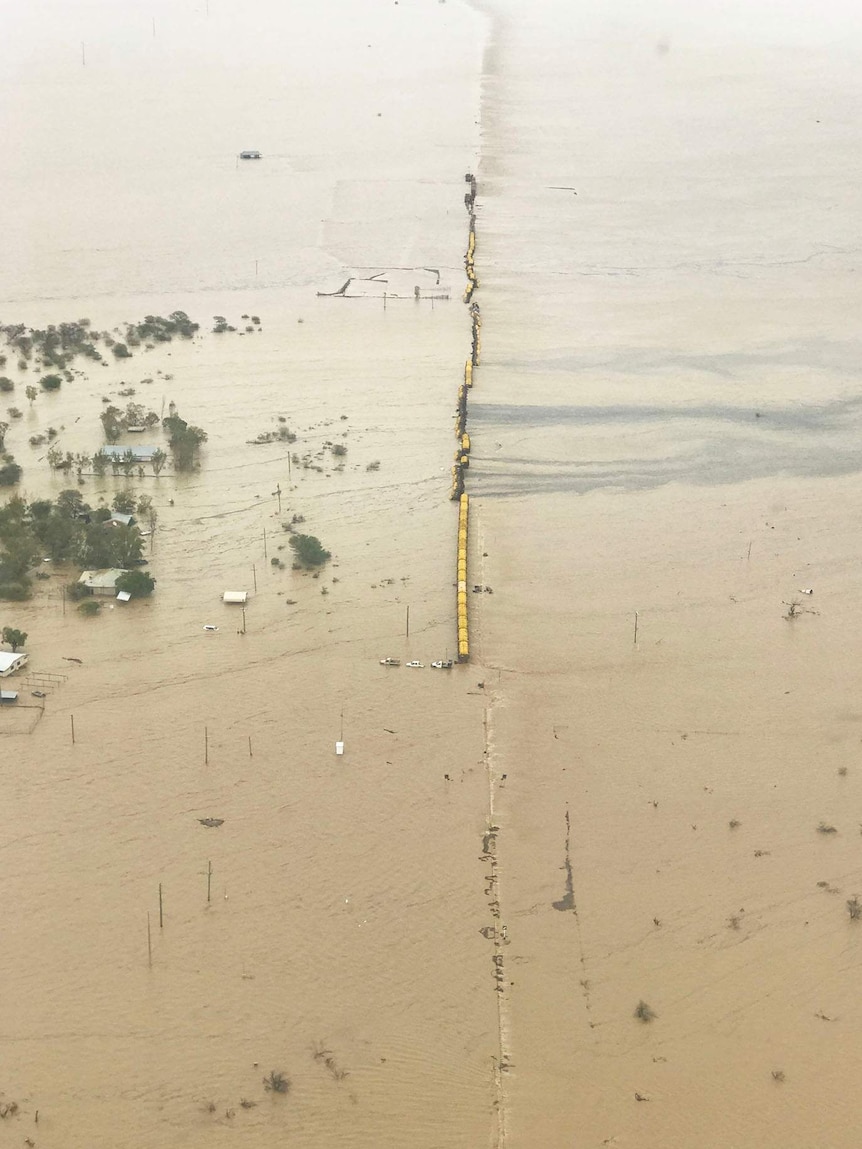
(31,393)
(101,546)
(308,551)
(159,458)
(59,535)
(127,545)
(136,583)
(10,473)
(184,440)
(19,552)
(111,419)
(4,427)
(6,383)
(70,503)
(50,383)
(100,463)
(124,502)
(14,638)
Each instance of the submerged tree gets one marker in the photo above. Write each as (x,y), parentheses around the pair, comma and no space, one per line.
(309,551)
(136,583)
(158,460)
(185,441)
(14,638)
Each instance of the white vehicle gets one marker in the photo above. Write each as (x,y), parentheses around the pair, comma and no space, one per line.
(208,627)
(443,664)
(390,661)
(419,664)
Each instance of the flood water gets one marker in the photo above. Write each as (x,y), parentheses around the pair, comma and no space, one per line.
(441,937)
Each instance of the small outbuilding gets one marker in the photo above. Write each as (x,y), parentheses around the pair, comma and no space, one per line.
(120,520)
(235,596)
(8,697)
(12,661)
(102,583)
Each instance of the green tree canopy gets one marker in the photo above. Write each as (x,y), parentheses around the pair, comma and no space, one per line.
(308,551)
(124,502)
(10,473)
(138,584)
(14,638)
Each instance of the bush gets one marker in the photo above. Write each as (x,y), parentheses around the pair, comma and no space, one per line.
(6,384)
(644,1013)
(89,607)
(75,591)
(14,591)
(51,382)
(277,1082)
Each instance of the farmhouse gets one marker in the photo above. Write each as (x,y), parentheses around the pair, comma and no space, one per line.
(101,583)
(138,452)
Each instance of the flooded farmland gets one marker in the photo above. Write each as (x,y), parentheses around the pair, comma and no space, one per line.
(591,887)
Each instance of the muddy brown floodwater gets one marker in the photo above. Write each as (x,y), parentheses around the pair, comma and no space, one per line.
(442,937)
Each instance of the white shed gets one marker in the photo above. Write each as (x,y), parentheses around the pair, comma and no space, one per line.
(240,596)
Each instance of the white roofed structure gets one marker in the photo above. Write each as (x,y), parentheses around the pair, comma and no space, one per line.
(11,661)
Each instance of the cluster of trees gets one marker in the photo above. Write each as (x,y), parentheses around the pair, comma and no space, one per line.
(66,530)
(10,472)
(115,421)
(55,346)
(58,346)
